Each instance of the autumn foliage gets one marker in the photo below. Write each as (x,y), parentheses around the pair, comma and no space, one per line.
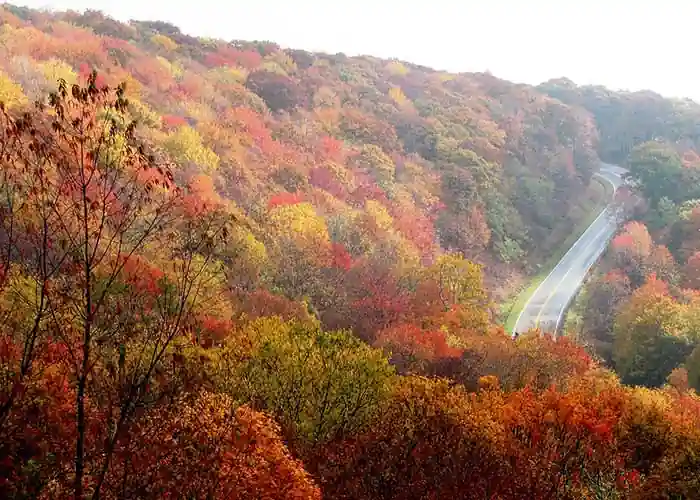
(249,272)
(207,449)
(641,313)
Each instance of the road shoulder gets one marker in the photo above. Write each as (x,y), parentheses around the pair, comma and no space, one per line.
(513,308)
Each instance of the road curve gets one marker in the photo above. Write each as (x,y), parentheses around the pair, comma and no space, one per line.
(545,308)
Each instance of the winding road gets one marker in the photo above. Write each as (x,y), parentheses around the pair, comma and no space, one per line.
(547,305)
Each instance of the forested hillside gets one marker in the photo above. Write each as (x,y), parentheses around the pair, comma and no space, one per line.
(230,270)
(640,310)
(627,119)
(465,162)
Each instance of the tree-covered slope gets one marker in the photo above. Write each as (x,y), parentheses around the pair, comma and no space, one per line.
(466,162)
(627,119)
(188,259)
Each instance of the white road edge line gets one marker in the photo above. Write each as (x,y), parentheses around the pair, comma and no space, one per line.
(555,267)
(564,256)
(594,241)
(597,256)
(585,272)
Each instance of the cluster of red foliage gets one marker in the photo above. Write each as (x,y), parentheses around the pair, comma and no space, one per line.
(141,275)
(340,257)
(211,329)
(172,121)
(84,73)
(417,228)
(229,56)
(332,149)
(283,199)
(414,349)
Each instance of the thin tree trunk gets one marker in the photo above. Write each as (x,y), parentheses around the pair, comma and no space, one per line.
(80,443)
(82,380)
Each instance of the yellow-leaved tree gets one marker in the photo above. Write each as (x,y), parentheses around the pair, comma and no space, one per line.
(186,146)
(650,336)
(451,295)
(300,245)
(11,94)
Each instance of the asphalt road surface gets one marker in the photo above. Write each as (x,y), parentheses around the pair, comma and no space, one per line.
(547,305)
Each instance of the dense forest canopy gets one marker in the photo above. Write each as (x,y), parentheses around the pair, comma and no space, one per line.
(446,151)
(626,119)
(232,270)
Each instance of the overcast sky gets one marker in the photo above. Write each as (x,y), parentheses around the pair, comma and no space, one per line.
(623,44)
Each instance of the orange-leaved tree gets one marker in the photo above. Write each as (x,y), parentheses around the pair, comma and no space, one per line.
(205,447)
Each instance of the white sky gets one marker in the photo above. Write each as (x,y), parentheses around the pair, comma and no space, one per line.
(623,44)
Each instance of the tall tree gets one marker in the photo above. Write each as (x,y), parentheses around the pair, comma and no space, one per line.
(650,336)
(656,170)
